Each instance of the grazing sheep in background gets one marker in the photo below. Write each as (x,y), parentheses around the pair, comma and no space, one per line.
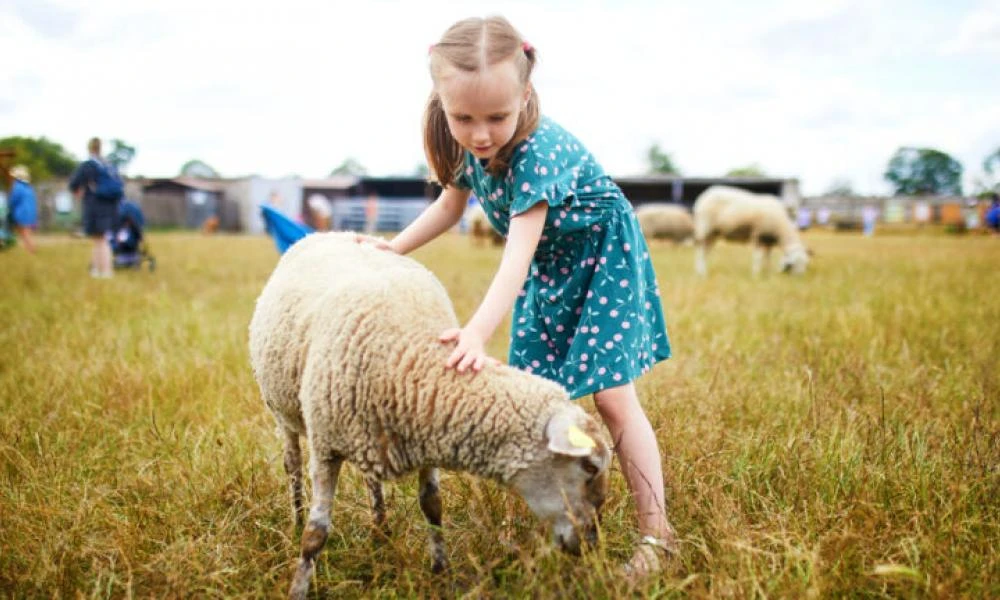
(738,215)
(344,346)
(659,220)
(480,228)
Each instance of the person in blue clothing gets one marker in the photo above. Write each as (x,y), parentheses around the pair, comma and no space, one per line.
(100,216)
(23,206)
(575,267)
(993,214)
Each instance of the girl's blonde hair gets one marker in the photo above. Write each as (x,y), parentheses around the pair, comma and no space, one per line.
(472,45)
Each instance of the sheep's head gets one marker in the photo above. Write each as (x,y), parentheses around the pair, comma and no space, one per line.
(567,486)
(796,260)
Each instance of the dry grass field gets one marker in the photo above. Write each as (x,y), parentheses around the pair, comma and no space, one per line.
(835,435)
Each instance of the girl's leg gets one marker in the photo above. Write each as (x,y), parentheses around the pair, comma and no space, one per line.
(639,455)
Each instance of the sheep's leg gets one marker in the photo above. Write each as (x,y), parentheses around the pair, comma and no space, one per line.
(758,259)
(324,473)
(430,504)
(293,467)
(378,506)
(700,264)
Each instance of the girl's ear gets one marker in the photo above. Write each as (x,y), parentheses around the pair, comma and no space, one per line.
(527,95)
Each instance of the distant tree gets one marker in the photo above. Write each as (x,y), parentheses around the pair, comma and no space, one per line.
(840,187)
(422,171)
(198,168)
(924,171)
(660,162)
(44,158)
(751,170)
(991,164)
(121,154)
(350,166)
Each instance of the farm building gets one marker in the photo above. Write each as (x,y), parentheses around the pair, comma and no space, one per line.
(343,202)
(684,190)
(845,212)
(182,201)
(394,201)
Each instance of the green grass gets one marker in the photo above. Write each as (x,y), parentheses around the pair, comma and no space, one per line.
(832,435)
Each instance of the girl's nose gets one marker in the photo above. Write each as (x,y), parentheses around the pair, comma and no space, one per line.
(481,135)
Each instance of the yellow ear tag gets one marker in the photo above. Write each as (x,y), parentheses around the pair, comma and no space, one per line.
(578,439)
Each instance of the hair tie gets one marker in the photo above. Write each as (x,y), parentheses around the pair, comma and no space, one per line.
(527,47)
(430,48)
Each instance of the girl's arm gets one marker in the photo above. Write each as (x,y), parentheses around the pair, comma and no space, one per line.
(522,240)
(437,218)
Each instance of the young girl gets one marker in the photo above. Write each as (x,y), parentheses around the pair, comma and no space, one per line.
(575,266)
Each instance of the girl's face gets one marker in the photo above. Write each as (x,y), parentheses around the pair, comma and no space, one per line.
(483,108)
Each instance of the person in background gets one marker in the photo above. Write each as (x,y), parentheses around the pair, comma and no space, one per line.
(23,206)
(97,183)
(804,218)
(371,213)
(993,214)
(322,212)
(823,216)
(869,215)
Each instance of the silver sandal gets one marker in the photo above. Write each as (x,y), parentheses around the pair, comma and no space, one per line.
(648,552)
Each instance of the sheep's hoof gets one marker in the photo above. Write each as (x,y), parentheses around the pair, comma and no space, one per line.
(439,566)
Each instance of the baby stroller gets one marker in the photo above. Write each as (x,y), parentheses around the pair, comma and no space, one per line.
(128,247)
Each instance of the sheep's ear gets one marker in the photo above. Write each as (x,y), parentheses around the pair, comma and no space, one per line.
(566,437)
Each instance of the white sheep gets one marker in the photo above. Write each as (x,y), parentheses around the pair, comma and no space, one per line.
(659,220)
(479,226)
(738,215)
(344,346)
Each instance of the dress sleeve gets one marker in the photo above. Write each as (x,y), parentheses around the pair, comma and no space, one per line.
(539,175)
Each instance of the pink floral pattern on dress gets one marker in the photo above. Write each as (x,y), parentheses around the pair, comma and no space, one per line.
(589,315)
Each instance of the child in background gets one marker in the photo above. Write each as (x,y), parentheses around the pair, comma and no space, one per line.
(575,266)
(23,206)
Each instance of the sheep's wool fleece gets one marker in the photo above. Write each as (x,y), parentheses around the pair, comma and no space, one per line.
(661,220)
(344,345)
(736,213)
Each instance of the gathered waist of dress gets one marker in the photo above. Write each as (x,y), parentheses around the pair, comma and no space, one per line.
(566,237)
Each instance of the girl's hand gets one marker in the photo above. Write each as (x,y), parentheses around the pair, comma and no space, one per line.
(374,241)
(469,351)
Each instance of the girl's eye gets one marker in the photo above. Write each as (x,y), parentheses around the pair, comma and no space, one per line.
(498,118)
(463,118)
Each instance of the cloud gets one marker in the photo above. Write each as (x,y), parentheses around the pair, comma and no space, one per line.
(47,19)
(816,90)
(978,32)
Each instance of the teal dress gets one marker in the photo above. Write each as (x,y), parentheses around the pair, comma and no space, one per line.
(589,315)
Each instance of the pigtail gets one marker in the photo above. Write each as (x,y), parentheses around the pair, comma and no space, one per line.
(444,154)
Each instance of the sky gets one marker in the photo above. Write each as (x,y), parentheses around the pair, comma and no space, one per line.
(824,91)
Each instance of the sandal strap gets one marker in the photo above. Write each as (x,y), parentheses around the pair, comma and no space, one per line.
(658,543)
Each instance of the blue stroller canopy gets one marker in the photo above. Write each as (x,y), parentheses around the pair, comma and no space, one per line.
(129,210)
(282,229)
